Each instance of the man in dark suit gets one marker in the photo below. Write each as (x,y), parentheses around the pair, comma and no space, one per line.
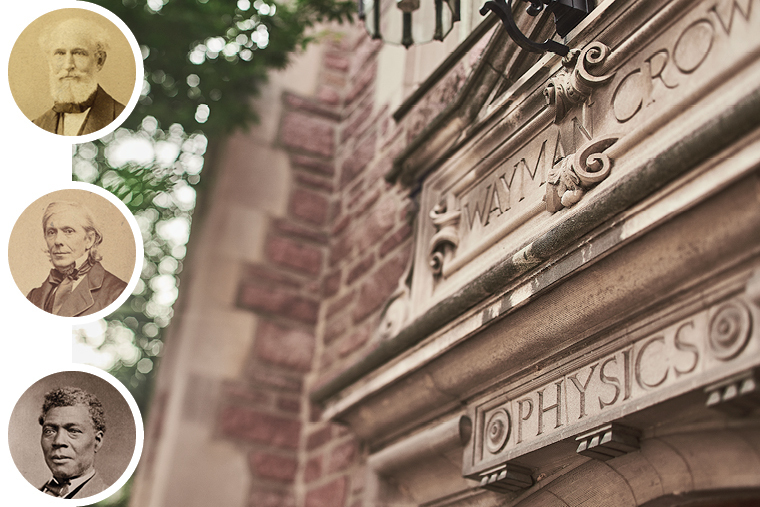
(73,426)
(76,51)
(78,284)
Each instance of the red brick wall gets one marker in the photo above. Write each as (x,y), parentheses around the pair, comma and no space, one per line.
(331,264)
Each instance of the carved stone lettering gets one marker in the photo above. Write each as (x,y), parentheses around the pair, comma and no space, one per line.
(488,201)
(582,390)
(638,368)
(518,178)
(713,34)
(629,378)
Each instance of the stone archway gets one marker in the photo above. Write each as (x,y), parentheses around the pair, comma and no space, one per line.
(700,469)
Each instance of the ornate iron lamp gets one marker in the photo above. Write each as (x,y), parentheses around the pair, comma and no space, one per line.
(567,15)
(409,22)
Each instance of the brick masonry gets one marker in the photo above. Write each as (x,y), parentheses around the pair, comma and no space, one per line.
(330,263)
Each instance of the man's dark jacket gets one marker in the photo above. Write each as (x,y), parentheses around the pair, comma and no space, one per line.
(90,488)
(103,111)
(98,290)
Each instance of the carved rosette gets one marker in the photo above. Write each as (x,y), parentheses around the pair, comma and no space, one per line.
(445,241)
(498,429)
(572,176)
(730,328)
(572,87)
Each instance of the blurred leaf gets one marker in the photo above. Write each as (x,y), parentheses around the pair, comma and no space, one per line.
(204,61)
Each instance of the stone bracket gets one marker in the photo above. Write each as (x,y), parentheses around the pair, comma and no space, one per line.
(737,395)
(574,84)
(445,217)
(608,441)
(571,178)
(506,478)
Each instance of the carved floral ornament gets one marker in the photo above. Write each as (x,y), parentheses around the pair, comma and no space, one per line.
(571,177)
(720,341)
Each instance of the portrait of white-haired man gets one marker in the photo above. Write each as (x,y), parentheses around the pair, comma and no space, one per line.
(67,277)
(73,48)
(72,434)
(78,284)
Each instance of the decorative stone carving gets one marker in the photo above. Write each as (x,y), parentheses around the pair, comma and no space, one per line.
(737,395)
(609,441)
(506,478)
(497,431)
(730,328)
(585,398)
(445,241)
(570,178)
(572,87)
(396,311)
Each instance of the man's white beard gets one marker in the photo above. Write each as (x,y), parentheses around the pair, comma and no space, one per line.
(73,91)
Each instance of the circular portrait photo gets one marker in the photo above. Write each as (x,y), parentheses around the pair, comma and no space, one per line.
(73,435)
(73,252)
(72,72)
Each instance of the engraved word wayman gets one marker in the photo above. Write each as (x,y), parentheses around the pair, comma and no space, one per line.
(600,96)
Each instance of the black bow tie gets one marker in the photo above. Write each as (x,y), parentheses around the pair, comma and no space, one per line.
(59,275)
(73,107)
(56,488)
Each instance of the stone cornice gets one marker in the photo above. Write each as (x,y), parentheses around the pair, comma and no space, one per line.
(723,114)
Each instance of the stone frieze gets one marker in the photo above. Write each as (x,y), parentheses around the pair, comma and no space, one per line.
(691,354)
(600,96)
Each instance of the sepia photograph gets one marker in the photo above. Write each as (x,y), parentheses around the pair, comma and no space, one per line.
(71,72)
(72,435)
(72,253)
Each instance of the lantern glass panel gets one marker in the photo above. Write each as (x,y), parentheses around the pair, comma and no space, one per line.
(427,23)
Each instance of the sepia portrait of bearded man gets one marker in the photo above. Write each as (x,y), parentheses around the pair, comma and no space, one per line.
(76,51)
(71,72)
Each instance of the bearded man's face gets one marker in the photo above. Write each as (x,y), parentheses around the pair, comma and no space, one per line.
(74,62)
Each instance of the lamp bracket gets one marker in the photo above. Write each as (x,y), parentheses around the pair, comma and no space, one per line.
(567,15)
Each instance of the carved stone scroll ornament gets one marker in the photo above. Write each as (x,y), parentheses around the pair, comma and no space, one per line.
(572,176)
(570,88)
(395,313)
(445,217)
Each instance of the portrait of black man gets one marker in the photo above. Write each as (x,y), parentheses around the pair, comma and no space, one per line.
(73,427)
(70,272)
(72,435)
(74,72)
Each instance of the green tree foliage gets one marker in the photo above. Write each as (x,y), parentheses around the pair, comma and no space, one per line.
(203,60)
(215,54)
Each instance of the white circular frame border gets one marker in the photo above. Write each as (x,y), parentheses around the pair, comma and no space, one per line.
(35,498)
(139,73)
(139,250)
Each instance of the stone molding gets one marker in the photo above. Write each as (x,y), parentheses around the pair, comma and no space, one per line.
(669,469)
(443,319)
(722,340)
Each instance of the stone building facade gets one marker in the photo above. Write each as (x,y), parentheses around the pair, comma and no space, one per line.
(465,274)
